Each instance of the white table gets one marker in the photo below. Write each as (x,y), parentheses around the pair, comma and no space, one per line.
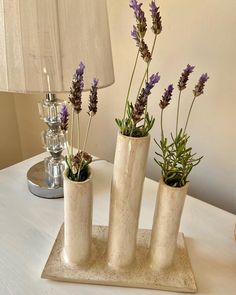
(29,225)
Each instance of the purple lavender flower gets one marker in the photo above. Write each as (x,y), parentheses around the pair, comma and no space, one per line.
(145,53)
(135,36)
(93,98)
(64,116)
(155,78)
(184,77)
(156,18)
(140,17)
(80,70)
(141,101)
(79,159)
(76,89)
(166,97)
(201,84)
(143,48)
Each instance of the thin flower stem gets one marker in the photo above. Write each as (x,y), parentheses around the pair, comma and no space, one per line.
(145,114)
(85,143)
(67,149)
(162,131)
(87,132)
(129,88)
(190,109)
(132,130)
(148,64)
(72,127)
(177,117)
(78,133)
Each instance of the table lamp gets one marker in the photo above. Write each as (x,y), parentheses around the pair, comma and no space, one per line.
(41,43)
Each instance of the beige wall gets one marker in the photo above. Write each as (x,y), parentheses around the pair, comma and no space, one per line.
(30,125)
(202,33)
(198,32)
(10,148)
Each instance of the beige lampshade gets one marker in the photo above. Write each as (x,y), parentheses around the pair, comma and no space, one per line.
(43,41)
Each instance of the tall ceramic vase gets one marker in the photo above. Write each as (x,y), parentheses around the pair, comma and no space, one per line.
(126,193)
(78,206)
(166,222)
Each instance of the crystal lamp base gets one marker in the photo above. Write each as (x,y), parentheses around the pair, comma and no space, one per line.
(41,184)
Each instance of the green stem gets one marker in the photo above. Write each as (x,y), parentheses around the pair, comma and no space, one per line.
(162,131)
(67,149)
(177,117)
(85,143)
(145,114)
(148,64)
(129,88)
(78,133)
(72,127)
(132,130)
(190,109)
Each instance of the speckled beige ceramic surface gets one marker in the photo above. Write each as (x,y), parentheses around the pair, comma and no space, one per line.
(166,221)
(78,207)
(179,278)
(126,195)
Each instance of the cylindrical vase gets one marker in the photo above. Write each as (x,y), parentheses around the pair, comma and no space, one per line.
(78,207)
(126,193)
(166,222)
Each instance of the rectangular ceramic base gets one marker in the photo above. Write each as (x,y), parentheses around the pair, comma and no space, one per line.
(178,278)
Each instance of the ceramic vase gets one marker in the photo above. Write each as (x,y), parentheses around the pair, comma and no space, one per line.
(126,193)
(78,206)
(166,222)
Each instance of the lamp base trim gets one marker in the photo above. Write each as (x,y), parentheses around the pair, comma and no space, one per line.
(40,185)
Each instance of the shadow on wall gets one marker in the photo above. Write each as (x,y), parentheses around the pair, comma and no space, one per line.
(10,144)
(20,128)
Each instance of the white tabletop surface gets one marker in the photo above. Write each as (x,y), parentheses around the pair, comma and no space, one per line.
(29,225)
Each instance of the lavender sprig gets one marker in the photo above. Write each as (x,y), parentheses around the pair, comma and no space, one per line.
(156,18)
(143,48)
(166,97)
(135,35)
(79,164)
(176,157)
(185,76)
(141,101)
(145,53)
(201,84)
(140,18)
(64,117)
(76,89)
(79,160)
(93,98)
(197,91)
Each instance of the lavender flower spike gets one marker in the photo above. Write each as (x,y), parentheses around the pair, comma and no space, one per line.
(141,101)
(80,70)
(135,36)
(76,89)
(184,77)
(93,99)
(201,84)
(145,53)
(156,18)
(64,116)
(140,17)
(166,97)
(143,48)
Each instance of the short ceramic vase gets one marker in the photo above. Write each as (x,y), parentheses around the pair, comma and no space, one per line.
(166,222)
(78,207)
(126,193)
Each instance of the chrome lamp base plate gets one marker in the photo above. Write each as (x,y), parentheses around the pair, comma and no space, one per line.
(40,185)
(179,278)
